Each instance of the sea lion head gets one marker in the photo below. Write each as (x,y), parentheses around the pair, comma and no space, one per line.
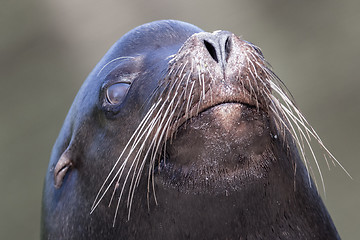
(181,133)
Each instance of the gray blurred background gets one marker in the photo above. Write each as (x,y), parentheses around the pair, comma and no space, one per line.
(47,48)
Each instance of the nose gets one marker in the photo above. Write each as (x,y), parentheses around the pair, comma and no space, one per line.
(218,44)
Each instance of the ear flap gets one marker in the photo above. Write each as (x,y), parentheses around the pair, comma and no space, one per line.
(63,165)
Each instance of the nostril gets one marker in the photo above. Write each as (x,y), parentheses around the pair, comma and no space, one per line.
(227,48)
(211,50)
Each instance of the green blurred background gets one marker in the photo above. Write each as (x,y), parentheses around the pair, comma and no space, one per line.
(47,48)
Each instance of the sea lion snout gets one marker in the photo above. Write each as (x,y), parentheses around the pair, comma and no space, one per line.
(219,86)
(215,68)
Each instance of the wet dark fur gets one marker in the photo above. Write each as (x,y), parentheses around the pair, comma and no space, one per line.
(204,146)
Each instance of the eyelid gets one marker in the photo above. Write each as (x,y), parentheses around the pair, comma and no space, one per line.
(111,106)
(128,81)
(116,93)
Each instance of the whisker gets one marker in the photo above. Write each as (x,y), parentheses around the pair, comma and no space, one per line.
(115,59)
(135,134)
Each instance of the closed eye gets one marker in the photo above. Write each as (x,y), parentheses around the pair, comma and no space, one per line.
(116,93)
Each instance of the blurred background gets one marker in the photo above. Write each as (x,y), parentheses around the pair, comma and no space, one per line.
(47,48)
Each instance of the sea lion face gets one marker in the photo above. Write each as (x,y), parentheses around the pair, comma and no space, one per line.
(175,128)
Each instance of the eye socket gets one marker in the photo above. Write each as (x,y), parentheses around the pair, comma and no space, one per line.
(116,93)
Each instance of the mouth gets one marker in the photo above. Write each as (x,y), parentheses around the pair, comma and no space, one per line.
(205,105)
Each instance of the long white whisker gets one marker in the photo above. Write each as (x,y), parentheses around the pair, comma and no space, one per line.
(115,59)
(138,130)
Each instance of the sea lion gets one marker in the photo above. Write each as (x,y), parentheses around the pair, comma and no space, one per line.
(182,134)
